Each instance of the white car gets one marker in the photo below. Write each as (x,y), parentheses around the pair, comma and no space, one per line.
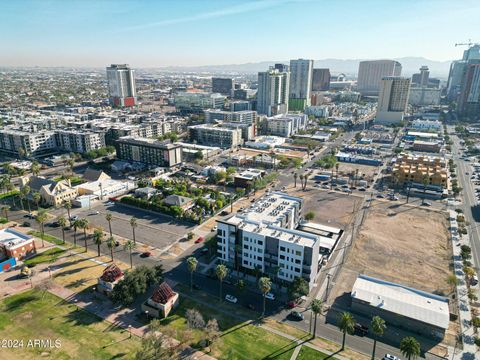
(110,203)
(269,296)
(231,298)
(390,357)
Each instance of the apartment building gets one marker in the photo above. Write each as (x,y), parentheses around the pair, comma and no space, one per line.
(79,141)
(149,151)
(14,141)
(285,125)
(244,116)
(186,102)
(409,168)
(222,137)
(263,237)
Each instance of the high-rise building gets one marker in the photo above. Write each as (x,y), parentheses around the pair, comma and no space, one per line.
(301,72)
(121,85)
(272,94)
(371,72)
(393,99)
(469,98)
(321,79)
(223,86)
(458,69)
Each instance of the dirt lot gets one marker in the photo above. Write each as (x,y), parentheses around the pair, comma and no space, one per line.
(330,208)
(364,171)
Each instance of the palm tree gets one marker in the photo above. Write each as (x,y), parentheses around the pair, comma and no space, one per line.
(109,217)
(346,325)
(356,177)
(295,176)
(68,206)
(221,271)
(129,245)
(111,244)
(378,328)
(76,225)
(301,179)
(41,218)
(25,191)
(35,168)
(265,285)
(84,225)
(5,209)
(98,238)
(192,263)
(133,224)
(36,198)
(62,222)
(425,181)
(337,165)
(410,347)
(316,306)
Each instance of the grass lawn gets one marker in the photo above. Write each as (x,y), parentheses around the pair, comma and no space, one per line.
(49,238)
(239,340)
(49,255)
(307,353)
(82,335)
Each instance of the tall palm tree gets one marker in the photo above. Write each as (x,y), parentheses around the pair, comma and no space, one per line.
(337,165)
(378,328)
(36,198)
(109,218)
(25,191)
(76,225)
(346,325)
(221,271)
(295,176)
(301,180)
(111,244)
(192,263)
(98,239)
(129,245)
(5,209)
(265,285)
(356,177)
(84,225)
(62,222)
(425,181)
(133,224)
(410,347)
(41,218)
(316,306)
(68,206)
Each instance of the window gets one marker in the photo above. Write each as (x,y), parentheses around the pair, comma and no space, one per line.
(282,257)
(259,258)
(297,261)
(298,253)
(297,270)
(282,248)
(260,242)
(245,247)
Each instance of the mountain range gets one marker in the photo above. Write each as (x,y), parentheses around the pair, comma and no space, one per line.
(410,65)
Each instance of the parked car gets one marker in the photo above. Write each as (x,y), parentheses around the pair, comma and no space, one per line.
(200,240)
(426,203)
(110,203)
(361,330)
(26,224)
(296,315)
(74,218)
(95,213)
(269,296)
(145,254)
(390,357)
(474,280)
(231,298)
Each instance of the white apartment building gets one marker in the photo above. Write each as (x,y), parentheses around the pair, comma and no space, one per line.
(15,141)
(392,100)
(79,141)
(371,72)
(272,94)
(264,237)
(121,85)
(286,125)
(301,74)
(222,137)
(244,116)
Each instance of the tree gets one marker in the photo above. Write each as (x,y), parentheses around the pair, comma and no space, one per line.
(298,288)
(41,218)
(129,245)
(453,281)
(265,285)
(346,324)
(133,224)
(76,225)
(36,198)
(5,209)
(192,263)
(68,206)
(111,244)
(221,271)
(83,224)
(212,331)
(378,328)
(410,347)
(194,319)
(25,191)
(109,217)
(240,285)
(98,239)
(425,181)
(316,306)
(310,215)
(295,176)
(62,222)
(469,272)
(156,345)
(35,168)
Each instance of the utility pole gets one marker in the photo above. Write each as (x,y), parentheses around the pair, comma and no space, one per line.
(328,286)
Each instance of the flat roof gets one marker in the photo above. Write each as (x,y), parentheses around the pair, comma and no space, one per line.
(10,238)
(402,300)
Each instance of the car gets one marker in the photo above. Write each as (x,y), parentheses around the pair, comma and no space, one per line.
(146,254)
(95,213)
(474,280)
(26,224)
(224,212)
(200,240)
(110,203)
(360,329)
(269,296)
(54,224)
(380,196)
(231,298)
(390,357)
(362,189)
(393,198)
(426,203)
(73,218)
(296,315)
(204,250)
(291,304)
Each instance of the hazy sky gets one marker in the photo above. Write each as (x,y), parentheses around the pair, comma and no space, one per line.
(207,32)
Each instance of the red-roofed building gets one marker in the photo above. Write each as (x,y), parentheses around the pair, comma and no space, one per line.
(162,301)
(110,277)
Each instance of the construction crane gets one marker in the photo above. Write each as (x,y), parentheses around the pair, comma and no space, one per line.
(469,43)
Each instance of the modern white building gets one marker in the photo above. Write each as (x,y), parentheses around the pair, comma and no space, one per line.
(79,141)
(244,116)
(301,73)
(286,125)
(426,125)
(263,237)
(392,100)
(272,94)
(205,134)
(423,96)
(371,72)
(14,141)
(121,85)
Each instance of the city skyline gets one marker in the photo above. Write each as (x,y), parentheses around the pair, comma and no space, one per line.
(159,34)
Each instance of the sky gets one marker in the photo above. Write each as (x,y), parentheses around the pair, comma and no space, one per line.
(160,33)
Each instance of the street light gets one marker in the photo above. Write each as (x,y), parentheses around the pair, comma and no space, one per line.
(94,292)
(130,330)
(146,314)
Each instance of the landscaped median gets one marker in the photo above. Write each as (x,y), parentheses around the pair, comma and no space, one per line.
(67,331)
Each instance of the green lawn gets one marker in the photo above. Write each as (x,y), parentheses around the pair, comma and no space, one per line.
(238,340)
(37,315)
(307,353)
(47,237)
(49,255)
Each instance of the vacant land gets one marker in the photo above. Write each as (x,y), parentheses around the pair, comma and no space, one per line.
(365,172)
(38,315)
